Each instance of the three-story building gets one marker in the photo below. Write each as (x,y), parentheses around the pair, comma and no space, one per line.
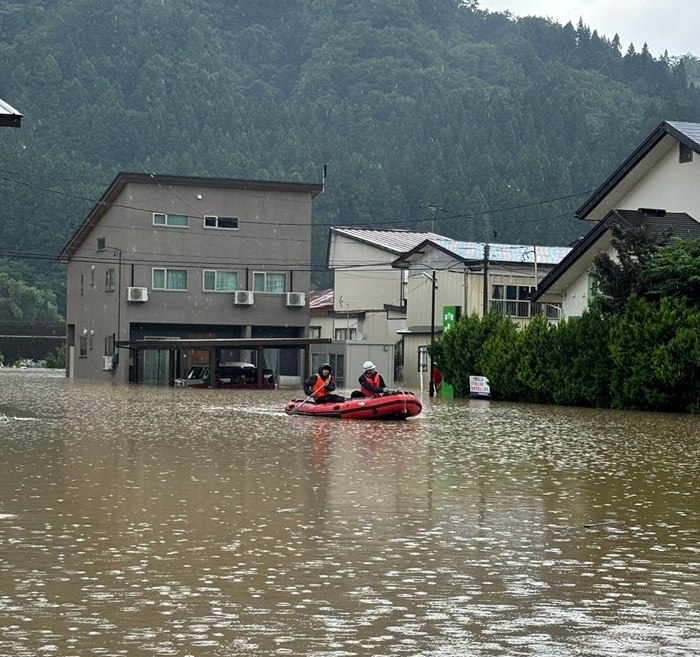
(184,258)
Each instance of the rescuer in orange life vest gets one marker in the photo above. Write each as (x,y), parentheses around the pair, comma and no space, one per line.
(371,382)
(320,385)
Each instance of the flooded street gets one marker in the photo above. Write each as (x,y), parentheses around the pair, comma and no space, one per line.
(146,521)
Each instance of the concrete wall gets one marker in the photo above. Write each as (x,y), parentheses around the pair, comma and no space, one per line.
(274,235)
(33,341)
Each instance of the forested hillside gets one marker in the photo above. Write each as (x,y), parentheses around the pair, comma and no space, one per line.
(428,113)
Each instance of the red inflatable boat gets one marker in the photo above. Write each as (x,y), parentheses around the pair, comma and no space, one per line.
(396,405)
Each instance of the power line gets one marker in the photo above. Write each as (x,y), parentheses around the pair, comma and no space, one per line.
(197,215)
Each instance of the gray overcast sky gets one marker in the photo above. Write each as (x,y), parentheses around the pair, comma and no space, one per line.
(664,24)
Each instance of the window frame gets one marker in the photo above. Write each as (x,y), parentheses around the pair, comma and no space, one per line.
(266,275)
(166,220)
(166,271)
(341,334)
(110,279)
(216,273)
(217,220)
(685,153)
(514,301)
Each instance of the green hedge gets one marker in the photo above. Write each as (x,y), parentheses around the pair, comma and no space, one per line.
(647,359)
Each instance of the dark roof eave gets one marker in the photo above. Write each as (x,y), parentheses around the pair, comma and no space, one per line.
(681,224)
(575,254)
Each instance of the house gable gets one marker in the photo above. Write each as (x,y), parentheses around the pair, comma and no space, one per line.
(662,148)
(361,261)
(568,275)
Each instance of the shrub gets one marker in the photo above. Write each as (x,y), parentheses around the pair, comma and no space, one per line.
(56,359)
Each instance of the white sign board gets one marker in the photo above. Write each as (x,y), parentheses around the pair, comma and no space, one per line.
(479,387)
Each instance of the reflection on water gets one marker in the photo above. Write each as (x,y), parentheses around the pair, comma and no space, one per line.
(157,521)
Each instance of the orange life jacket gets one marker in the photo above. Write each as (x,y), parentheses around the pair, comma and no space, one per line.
(318,389)
(373,381)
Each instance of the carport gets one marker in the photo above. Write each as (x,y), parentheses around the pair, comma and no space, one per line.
(176,347)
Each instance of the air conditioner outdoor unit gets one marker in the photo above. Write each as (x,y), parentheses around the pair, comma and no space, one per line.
(137,294)
(243,298)
(296,299)
(107,363)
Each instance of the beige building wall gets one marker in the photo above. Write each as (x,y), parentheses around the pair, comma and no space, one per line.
(669,186)
(363,274)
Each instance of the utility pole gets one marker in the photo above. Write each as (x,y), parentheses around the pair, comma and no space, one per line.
(534,253)
(486,280)
(432,335)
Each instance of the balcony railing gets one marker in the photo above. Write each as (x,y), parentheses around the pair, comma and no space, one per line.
(525,309)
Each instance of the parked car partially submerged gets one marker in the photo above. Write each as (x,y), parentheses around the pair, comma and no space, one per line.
(229,375)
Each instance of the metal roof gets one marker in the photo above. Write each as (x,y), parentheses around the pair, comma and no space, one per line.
(9,116)
(321,299)
(543,255)
(395,241)
(508,253)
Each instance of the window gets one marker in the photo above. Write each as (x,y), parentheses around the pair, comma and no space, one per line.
(101,243)
(685,153)
(172,220)
(271,283)
(512,300)
(314,332)
(220,281)
(109,280)
(225,223)
(82,284)
(342,334)
(82,342)
(109,345)
(169,279)
(423,358)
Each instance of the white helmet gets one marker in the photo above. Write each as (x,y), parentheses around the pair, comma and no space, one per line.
(369,365)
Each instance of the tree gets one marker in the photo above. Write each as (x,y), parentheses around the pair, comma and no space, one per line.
(616,280)
(458,354)
(656,356)
(22,303)
(674,271)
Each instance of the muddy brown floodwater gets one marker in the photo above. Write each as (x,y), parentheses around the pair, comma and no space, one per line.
(145,521)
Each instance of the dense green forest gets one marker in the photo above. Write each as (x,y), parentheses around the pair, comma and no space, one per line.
(429,114)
